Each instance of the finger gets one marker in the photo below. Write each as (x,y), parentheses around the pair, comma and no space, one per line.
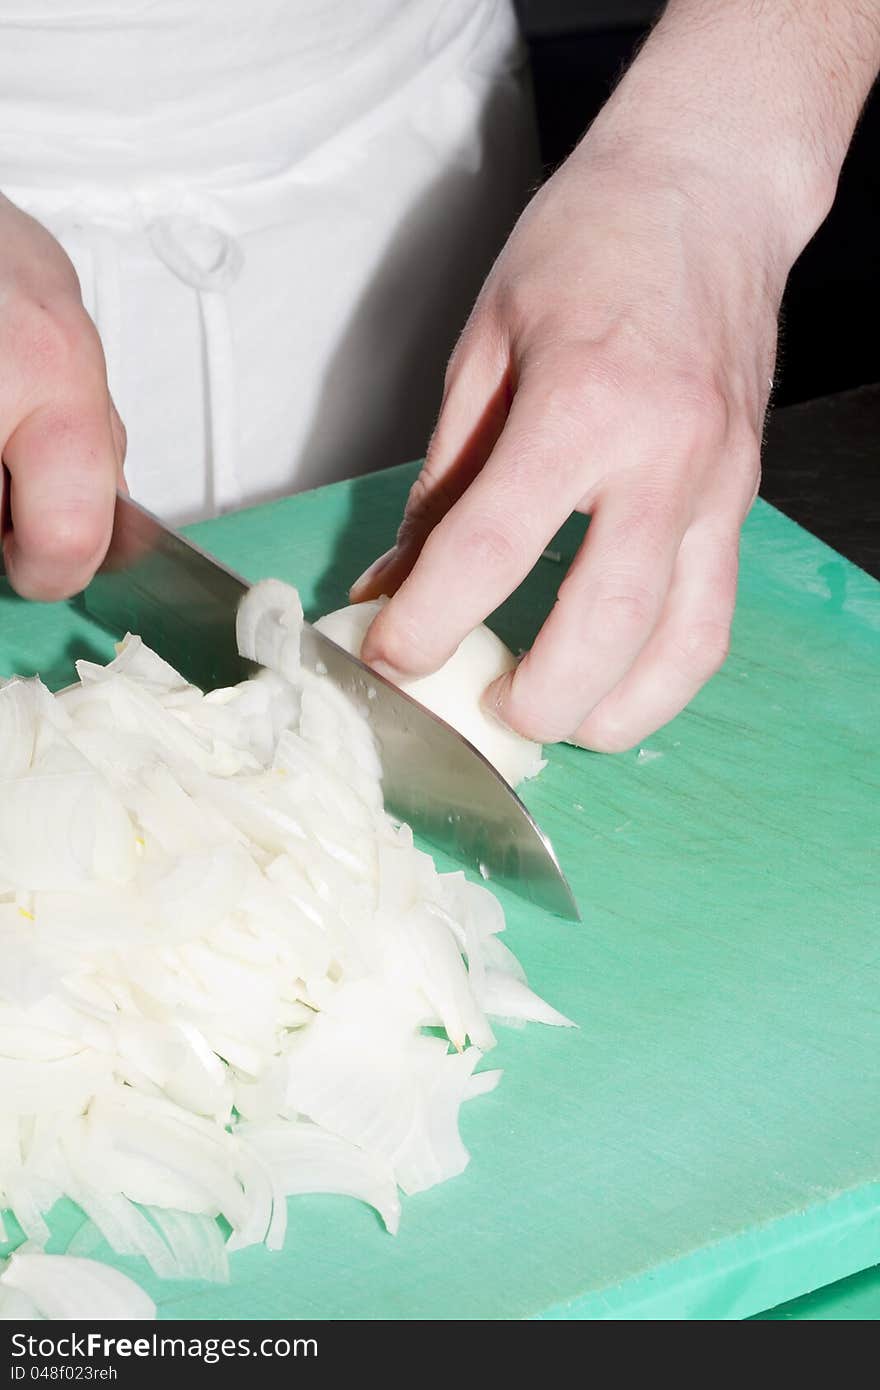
(63,466)
(487,542)
(475,406)
(607,607)
(687,648)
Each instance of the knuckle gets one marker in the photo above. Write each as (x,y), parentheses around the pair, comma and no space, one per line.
(55,345)
(588,385)
(575,380)
(625,606)
(485,543)
(654,514)
(697,410)
(703,648)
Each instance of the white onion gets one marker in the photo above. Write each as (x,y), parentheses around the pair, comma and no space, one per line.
(455,690)
(303,1158)
(268,627)
(64,1288)
(195,1243)
(508,998)
(18,726)
(220,959)
(124,1227)
(16,1306)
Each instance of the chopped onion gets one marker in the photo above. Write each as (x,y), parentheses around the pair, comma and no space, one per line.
(225,970)
(196,1245)
(509,998)
(303,1158)
(16,1306)
(268,627)
(65,1288)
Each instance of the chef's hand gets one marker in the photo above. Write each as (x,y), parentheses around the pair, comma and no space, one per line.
(63,443)
(618,363)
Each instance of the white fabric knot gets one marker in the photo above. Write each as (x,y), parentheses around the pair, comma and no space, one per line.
(198,253)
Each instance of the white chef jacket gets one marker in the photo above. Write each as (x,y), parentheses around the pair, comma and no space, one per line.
(280,212)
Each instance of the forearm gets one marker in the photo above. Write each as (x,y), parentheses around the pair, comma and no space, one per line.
(757,101)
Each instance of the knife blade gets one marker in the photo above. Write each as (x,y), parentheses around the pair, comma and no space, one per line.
(183,602)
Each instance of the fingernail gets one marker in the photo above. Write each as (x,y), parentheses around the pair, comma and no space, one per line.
(371,572)
(389,672)
(494,698)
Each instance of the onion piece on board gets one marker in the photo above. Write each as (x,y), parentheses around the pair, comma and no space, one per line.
(230,978)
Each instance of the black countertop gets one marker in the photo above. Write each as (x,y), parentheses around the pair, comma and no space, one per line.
(822,468)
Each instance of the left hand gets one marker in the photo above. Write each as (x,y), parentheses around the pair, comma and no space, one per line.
(617,363)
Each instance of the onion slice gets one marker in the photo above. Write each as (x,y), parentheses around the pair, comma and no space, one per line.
(65,1288)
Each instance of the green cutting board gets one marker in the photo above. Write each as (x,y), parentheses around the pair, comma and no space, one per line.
(707,1142)
(856,1299)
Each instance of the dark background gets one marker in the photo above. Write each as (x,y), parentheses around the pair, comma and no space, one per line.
(830,337)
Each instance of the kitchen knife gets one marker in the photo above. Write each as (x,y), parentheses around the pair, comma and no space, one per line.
(183,603)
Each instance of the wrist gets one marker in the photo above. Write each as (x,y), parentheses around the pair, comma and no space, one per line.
(745,214)
(749,110)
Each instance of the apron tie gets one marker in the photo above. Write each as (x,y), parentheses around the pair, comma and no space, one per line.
(209,261)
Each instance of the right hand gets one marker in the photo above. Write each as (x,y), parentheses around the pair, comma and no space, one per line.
(63,444)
